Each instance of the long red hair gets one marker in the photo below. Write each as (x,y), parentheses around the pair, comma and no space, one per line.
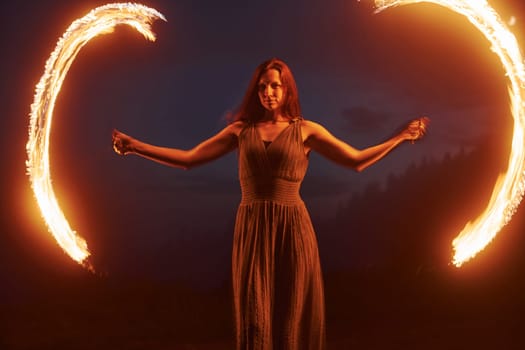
(251,110)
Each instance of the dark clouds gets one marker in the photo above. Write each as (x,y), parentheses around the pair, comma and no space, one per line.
(362,119)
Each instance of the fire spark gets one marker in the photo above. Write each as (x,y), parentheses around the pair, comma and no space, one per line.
(509,188)
(101,20)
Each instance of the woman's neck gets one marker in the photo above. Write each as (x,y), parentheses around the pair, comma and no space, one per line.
(274,117)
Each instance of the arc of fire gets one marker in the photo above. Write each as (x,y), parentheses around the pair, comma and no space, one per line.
(507,193)
(509,188)
(101,20)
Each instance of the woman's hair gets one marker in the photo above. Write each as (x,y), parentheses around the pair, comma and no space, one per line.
(251,110)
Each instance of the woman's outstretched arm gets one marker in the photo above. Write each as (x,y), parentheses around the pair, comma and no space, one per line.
(321,140)
(216,146)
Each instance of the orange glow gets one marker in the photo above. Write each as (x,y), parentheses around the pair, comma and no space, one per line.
(509,188)
(101,20)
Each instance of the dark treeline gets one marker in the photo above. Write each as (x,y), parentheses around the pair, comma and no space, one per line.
(399,289)
(410,222)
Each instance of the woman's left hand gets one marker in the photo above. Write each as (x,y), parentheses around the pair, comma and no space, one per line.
(416,129)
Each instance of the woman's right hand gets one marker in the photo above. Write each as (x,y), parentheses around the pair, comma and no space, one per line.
(122,143)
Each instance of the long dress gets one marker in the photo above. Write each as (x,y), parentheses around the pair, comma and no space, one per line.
(277,282)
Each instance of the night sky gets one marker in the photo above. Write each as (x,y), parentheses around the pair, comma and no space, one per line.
(363,76)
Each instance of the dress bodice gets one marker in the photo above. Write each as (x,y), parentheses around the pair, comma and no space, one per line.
(272,172)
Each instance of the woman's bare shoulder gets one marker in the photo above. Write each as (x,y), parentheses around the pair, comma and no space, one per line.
(236,127)
(310,127)
(311,124)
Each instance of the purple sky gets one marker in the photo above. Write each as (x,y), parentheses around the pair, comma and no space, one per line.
(359,74)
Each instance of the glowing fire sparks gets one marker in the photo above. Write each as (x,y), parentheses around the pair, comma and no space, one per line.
(509,188)
(101,20)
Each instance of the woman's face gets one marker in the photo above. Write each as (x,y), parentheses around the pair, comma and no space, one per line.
(270,90)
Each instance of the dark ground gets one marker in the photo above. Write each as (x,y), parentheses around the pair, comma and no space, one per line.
(472,308)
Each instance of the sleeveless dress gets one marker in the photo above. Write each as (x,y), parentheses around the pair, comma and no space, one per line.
(277,282)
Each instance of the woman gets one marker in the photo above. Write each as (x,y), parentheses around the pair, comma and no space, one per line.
(277,282)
